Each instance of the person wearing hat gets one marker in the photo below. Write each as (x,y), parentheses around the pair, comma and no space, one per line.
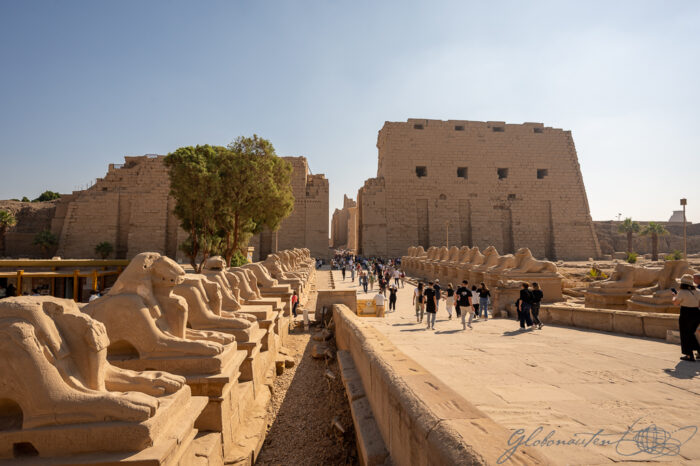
(688,298)
(438,294)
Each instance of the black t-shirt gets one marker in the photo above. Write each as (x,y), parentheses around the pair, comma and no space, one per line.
(537,296)
(392,293)
(463,295)
(450,292)
(526,296)
(429,301)
(437,291)
(484,293)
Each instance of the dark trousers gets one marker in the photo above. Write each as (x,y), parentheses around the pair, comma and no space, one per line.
(364,285)
(396,282)
(392,304)
(688,321)
(525,315)
(476,309)
(343,272)
(536,313)
(458,311)
(294,309)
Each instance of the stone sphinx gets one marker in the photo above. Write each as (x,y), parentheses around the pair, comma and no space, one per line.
(145,320)
(526,263)
(477,272)
(472,259)
(54,372)
(443,269)
(273,266)
(659,297)
(625,281)
(526,268)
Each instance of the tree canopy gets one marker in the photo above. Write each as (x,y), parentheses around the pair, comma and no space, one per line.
(47,196)
(224,195)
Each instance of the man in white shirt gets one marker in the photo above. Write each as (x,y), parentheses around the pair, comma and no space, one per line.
(379,304)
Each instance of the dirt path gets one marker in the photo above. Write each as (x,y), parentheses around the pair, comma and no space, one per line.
(304,404)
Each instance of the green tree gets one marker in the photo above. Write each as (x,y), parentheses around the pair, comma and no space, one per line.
(654,230)
(256,191)
(628,227)
(193,184)
(25,199)
(47,196)
(45,240)
(104,249)
(7,221)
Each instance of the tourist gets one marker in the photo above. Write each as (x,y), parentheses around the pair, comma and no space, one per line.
(525,304)
(418,302)
(431,304)
(3,292)
(537,296)
(295,303)
(397,277)
(484,296)
(11,290)
(371,281)
(363,280)
(343,268)
(382,284)
(464,302)
(450,300)
(403,279)
(94,294)
(688,298)
(438,294)
(379,303)
(475,302)
(352,272)
(392,297)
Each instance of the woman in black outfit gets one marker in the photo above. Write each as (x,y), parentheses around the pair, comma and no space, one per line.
(688,298)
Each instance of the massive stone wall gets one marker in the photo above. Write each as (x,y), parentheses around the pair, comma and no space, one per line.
(132,209)
(344,225)
(477,184)
(307,226)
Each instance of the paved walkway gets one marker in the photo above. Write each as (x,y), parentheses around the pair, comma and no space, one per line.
(620,399)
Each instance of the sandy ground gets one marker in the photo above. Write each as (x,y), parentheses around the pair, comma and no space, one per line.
(579,384)
(304,404)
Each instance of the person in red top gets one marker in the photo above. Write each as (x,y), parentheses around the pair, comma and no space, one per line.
(295,303)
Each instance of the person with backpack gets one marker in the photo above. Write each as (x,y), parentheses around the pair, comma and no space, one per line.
(537,296)
(438,294)
(688,298)
(525,305)
(450,300)
(464,302)
(392,297)
(418,302)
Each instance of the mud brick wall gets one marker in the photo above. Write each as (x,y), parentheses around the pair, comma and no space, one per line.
(481,184)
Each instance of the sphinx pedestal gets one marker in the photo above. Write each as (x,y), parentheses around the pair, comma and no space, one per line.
(167,438)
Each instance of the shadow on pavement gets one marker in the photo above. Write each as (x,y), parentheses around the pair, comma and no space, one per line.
(685,370)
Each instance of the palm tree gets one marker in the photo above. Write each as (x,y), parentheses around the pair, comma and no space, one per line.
(7,220)
(104,249)
(629,227)
(655,230)
(45,240)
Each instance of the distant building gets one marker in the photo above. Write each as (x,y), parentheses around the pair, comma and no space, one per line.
(676,217)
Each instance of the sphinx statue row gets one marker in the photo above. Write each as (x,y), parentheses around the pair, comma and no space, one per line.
(638,288)
(123,373)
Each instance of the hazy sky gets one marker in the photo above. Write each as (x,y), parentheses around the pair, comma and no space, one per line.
(82,84)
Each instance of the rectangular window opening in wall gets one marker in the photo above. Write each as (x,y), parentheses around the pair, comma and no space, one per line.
(538,130)
(541,173)
(498,129)
(511,197)
(502,173)
(421,172)
(462,172)
(417,126)
(459,128)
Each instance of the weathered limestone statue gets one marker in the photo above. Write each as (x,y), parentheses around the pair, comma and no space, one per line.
(443,268)
(659,298)
(273,266)
(54,366)
(526,263)
(430,256)
(471,260)
(476,273)
(528,269)
(61,397)
(625,280)
(142,311)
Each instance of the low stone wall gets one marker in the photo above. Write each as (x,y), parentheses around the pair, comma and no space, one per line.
(422,420)
(641,324)
(330,297)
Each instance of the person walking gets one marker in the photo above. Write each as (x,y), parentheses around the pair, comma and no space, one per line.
(403,279)
(464,302)
(295,304)
(343,269)
(484,296)
(371,280)
(525,304)
(688,298)
(379,304)
(537,296)
(431,305)
(363,281)
(397,277)
(475,301)
(438,294)
(352,273)
(450,300)
(418,302)
(392,297)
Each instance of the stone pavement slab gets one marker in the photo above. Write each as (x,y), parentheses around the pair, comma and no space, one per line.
(613,398)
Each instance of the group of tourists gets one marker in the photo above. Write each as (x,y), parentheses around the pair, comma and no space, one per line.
(464,302)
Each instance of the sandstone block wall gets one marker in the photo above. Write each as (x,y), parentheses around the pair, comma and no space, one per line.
(307,226)
(344,224)
(481,183)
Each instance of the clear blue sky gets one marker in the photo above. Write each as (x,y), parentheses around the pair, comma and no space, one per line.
(83,83)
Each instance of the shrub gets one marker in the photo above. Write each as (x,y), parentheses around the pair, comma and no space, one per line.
(631,257)
(104,249)
(238,259)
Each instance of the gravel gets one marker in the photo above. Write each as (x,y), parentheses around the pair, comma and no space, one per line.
(305,403)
